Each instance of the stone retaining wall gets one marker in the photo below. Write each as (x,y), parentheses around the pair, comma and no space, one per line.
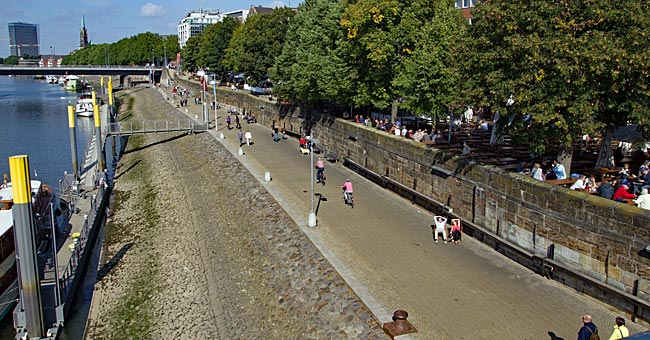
(595,236)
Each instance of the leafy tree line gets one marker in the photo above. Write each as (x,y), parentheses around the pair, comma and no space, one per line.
(570,67)
(140,49)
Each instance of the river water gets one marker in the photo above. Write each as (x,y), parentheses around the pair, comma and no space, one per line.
(34,122)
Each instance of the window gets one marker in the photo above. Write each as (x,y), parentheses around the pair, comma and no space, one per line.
(465,3)
(472,3)
(458,3)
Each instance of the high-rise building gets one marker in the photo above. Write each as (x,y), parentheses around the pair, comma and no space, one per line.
(83,34)
(23,39)
(196,21)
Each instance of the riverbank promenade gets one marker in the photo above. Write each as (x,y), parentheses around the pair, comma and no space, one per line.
(385,251)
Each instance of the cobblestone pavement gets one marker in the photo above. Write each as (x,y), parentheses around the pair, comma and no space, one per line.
(384,249)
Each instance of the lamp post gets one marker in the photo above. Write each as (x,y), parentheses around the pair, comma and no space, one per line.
(214,88)
(51,61)
(165,55)
(151,69)
(311,220)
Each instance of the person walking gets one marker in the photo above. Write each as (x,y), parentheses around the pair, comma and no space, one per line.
(440,223)
(240,136)
(587,329)
(249,137)
(276,133)
(620,331)
(228,121)
(320,168)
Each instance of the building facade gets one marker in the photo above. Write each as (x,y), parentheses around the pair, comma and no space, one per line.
(23,39)
(196,21)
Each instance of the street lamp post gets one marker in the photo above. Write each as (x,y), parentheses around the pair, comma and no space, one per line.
(51,61)
(165,55)
(214,88)
(151,69)
(311,220)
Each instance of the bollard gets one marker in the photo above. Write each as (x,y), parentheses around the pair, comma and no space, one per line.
(267,176)
(241,151)
(399,326)
(311,221)
(221,135)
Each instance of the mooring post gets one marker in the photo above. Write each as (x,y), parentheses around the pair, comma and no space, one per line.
(26,256)
(110,95)
(98,138)
(73,142)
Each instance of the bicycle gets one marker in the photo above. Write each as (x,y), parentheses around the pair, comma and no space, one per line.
(348,199)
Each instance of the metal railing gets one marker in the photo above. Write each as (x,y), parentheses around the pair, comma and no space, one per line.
(153,126)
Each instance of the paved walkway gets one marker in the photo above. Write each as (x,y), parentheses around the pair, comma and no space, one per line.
(385,251)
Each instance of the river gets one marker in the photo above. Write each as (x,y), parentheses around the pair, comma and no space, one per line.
(34,122)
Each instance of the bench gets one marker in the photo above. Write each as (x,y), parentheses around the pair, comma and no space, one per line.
(332,156)
(292,134)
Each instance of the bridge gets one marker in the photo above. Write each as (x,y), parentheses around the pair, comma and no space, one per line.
(87,70)
(154,126)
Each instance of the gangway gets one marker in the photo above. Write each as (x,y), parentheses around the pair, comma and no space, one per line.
(154,126)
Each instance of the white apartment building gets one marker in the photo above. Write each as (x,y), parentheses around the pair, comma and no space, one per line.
(196,21)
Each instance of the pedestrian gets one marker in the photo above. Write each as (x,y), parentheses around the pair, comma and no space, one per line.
(440,223)
(588,329)
(620,331)
(320,168)
(456,235)
(228,121)
(249,137)
(276,133)
(240,135)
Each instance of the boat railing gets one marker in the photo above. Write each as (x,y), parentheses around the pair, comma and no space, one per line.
(81,243)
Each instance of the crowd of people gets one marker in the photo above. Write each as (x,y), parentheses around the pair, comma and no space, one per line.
(623,187)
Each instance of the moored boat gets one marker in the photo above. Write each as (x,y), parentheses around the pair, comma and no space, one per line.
(73,83)
(42,196)
(84,107)
(51,79)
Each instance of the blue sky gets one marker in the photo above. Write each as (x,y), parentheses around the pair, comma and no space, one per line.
(107,21)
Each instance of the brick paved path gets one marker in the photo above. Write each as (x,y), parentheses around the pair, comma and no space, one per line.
(384,249)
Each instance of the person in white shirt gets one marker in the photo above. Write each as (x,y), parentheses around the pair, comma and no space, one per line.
(643,201)
(559,170)
(249,137)
(580,184)
(440,223)
(536,173)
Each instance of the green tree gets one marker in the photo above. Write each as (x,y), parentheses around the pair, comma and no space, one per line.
(255,45)
(190,54)
(10,60)
(427,76)
(214,41)
(308,68)
(570,67)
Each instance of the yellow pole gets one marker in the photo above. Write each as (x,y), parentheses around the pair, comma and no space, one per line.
(25,239)
(98,139)
(101,84)
(110,91)
(20,181)
(73,141)
(94,97)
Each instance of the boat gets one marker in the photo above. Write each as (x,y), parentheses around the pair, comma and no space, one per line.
(51,79)
(42,196)
(84,107)
(73,83)
(61,81)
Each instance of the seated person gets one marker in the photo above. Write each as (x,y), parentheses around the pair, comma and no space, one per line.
(622,194)
(606,190)
(302,142)
(580,183)
(455,231)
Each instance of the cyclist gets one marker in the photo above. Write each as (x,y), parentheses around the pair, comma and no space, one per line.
(320,168)
(347,190)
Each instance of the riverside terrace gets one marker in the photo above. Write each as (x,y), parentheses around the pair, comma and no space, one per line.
(589,243)
(110,70)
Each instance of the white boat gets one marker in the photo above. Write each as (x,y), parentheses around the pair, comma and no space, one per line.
(61,80)
(84,107)
(42,196)
(51,79)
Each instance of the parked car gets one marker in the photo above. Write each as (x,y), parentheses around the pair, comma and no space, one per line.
(640,336)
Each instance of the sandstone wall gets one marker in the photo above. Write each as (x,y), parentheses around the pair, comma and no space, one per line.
(595,236)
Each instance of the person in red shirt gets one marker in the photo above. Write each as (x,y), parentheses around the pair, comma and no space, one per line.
(622,194)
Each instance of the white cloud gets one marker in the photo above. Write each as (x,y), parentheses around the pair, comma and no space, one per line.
(151,10)
(277,4)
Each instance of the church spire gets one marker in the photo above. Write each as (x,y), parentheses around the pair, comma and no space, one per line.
(83,22)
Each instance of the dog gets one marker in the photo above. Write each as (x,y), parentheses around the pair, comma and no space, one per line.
(304,151)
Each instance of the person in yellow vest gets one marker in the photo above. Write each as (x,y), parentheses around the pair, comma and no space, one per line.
(620,331)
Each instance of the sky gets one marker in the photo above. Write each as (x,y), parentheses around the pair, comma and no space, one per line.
(107,21)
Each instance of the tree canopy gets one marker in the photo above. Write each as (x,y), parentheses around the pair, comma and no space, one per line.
(136,50)
(572,67)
